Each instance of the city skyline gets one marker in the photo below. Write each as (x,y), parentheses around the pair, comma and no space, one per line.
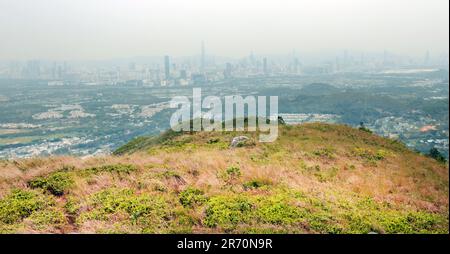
(98,30)
(201,57)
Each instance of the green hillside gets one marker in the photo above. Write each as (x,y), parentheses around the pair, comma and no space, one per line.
(316,178)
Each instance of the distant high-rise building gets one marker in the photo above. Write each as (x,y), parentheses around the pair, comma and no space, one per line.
(265,70)
(337,64)
(167,67)
(33,69)
(252,59)
(132,66)
(294,61)
(183,74)
(198,79)
(426,60)
(346,58)
(203,58)
(54,71)
(227,72)
(296,65)
(60,72)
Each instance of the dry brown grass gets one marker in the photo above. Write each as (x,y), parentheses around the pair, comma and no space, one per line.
(401,179)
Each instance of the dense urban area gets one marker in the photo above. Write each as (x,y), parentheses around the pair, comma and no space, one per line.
(89,108)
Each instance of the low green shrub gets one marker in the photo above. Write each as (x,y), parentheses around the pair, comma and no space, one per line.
(368,215)
(435,154)
(169,174)
(150,213)
(326,174)
(256,184)
(213,141)
(20,204)
(413,223)
(191,196)
(182,222)
(72,206)
(325,152)
(48,217)
(365,129)
(115,168)
(227,212)
(232,173)
(370,155)
(279,212)
(56,183)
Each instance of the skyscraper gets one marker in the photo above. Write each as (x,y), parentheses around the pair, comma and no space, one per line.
(227,72)
(183,74)
(296,65)
(426,60)
(167,67)
(265,66)
(203,60)
(33,69)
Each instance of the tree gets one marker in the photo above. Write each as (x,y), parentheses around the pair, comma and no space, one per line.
(362,127)
(435,154)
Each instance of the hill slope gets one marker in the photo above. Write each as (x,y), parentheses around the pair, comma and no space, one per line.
(316,178)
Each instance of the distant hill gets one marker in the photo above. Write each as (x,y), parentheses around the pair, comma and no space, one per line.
(317,89)
(316,178)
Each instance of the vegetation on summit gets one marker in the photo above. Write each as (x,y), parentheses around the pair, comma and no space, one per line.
(316,178)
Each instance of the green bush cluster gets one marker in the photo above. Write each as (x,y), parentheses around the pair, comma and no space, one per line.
(394,222)
(149,212)
(143,143)
(227,211)
(323,174)
(182,222)
(233,172)
(191,196)
(213,141)
(246,142)
(435,154)
(256,184)
(367,215)
(365,129)
(169,174)
(48,217)
(115,168)
(370,155)
(56,183)
(20,204)
(326,174)
(325,152)
(279,212)
(72,206)
(289,212)
(217,143)
(421,222)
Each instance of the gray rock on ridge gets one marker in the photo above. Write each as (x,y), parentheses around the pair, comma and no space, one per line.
(239,141)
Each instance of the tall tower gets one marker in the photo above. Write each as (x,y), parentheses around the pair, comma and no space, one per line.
(227,72)
(167,67)
(265,66)
(426,60)
(203,60)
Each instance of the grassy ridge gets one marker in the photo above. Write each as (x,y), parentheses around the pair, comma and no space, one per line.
(316,178)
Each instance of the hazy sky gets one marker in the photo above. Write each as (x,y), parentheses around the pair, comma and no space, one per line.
(101,29)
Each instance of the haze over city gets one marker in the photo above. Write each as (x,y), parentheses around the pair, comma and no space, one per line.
(224,117)
(105,29)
